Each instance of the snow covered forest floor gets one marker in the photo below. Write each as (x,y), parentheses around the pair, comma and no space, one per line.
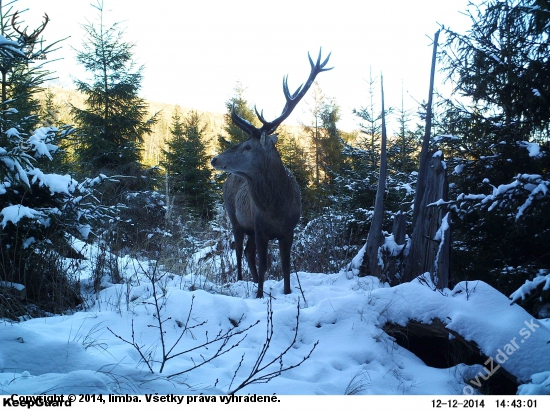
(335,321)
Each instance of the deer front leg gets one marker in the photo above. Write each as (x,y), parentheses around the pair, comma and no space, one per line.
(239,238)
(285,245)
(250,253)
(261,247)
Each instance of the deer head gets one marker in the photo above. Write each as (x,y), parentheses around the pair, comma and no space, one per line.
(239,158)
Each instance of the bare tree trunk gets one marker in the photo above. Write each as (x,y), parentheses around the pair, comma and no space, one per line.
(4,86)
(169,199)
(399,226)
(372,261)
(421,182)
(430,246)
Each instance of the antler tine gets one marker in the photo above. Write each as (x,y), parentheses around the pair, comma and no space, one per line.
(13,24)
(286,91)
(321,67)
(293,99)
(260,115)
(243,124)
(26,37)
(40,29)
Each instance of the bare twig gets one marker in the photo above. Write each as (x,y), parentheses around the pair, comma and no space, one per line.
(224,348)
(258,372)
(299,284)
(135,345)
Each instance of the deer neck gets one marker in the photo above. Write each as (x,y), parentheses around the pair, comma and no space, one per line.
(273,189)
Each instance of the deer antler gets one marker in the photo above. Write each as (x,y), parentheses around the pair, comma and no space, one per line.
(29,38)
(291,101)
(243,124)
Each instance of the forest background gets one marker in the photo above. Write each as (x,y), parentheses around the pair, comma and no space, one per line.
(105,165)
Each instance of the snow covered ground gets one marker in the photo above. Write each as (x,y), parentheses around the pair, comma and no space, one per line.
(86,352)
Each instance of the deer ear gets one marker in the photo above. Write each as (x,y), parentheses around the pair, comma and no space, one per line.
(264,138)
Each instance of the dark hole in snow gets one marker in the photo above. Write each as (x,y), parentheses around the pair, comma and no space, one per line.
(432,345)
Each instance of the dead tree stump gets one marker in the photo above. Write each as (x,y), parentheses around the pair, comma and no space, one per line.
(430,242)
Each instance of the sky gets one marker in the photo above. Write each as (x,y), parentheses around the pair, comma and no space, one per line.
(195,52)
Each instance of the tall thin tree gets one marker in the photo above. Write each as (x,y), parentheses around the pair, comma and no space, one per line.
(372,260)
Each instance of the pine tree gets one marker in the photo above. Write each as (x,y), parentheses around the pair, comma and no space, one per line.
(187,164)
(114,121)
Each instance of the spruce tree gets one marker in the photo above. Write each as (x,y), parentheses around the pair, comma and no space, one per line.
(358,178)
(497,136)
(404,147)
(233,134)
(371,127)
(40,210)
(187,165)
(112,125)
(295,159)
(325,144)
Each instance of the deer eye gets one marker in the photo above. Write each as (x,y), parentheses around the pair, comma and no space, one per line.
(247,147)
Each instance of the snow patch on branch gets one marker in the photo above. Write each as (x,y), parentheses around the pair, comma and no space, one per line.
(56,183)
(15,213)
(532,147)
(530,286)
(40,142)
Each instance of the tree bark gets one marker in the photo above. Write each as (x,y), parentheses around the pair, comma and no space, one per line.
(372,264)
(399,226)
(430,246)
(421,182)
(427,253)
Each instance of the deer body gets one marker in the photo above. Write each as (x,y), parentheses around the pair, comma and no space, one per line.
(261,196)
(262,199)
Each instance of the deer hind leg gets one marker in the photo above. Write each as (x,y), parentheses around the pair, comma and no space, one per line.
(239,238)
(250,254)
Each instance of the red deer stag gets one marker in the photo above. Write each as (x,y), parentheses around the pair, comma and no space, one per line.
(261,195)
